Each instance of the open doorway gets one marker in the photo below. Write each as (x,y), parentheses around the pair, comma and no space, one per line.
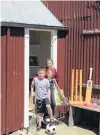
(39,51)
(39,45)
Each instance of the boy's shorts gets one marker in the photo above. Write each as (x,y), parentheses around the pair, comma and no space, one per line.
(41,105)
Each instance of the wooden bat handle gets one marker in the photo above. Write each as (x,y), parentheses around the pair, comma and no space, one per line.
(76,90)
(72,86)
(80,85)
(90,77)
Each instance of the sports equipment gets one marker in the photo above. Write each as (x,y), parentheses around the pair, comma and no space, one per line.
(89,87)
(72,86)
(76,94)
(80,90)
(76,89)
(51,129)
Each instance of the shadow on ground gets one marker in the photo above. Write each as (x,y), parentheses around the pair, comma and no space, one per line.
(84,125)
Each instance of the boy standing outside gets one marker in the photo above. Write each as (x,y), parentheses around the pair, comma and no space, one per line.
(42,96)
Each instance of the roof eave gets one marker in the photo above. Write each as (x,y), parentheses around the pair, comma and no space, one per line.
(61,31)
(12,24)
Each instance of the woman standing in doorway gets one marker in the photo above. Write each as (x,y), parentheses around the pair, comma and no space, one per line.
(55,78)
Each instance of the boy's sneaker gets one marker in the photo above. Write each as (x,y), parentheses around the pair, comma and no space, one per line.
(47,119)
(55,122)
(52,120)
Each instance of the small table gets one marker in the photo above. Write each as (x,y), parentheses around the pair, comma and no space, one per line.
(71,111)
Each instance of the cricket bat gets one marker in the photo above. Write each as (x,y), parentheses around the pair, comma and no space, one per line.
(72,87)
(76,89)
(89,87)
(80,90)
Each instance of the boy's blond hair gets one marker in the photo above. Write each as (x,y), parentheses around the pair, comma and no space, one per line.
(41,69)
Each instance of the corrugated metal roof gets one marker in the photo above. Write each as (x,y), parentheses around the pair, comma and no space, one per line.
(27,12)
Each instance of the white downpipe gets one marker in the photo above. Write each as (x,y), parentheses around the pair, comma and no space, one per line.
(26,78)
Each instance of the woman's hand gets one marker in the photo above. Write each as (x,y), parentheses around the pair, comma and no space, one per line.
(54,80)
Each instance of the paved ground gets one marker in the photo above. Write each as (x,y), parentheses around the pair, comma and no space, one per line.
(62,129)
(65,130)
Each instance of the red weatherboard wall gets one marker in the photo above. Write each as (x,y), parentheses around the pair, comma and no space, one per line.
(12,79)
(77,51)
(3,79)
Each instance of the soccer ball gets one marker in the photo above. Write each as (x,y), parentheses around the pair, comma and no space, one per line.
(51,129)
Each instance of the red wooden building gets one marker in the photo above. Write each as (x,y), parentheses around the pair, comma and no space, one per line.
(28,37)
(81,47)
(30,26)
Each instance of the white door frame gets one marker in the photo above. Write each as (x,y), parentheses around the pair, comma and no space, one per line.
(54,48)
(26,78)
(0,80)
(26,67)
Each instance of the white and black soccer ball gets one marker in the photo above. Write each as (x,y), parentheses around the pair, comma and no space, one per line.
(51,129)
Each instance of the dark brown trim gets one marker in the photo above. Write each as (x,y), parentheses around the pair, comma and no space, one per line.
(33,26)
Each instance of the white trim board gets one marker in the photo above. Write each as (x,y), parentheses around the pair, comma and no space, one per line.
(26,78)
(54,48)
(36,29)
(26,67)
(0,78)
